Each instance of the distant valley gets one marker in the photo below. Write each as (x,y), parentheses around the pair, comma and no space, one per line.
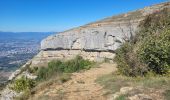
(16,49)
(24,35)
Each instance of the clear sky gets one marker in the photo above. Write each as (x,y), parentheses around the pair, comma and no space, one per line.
(59,15)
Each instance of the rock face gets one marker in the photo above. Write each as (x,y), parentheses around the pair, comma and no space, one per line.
(95,41)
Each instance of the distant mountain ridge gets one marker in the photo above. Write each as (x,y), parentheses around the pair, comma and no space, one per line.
(24,35)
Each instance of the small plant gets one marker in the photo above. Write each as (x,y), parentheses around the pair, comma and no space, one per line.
(121,97)
(42,74)
(65,77)
(23,84)
(55,66)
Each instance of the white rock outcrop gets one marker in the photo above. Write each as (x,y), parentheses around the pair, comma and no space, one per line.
(95,41)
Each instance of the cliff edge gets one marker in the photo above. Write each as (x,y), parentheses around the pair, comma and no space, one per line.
(95,41)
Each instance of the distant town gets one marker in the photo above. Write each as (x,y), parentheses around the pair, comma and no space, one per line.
(17,52)
(9,48)
(16,49)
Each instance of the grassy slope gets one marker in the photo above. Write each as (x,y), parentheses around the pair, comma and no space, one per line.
(156,87)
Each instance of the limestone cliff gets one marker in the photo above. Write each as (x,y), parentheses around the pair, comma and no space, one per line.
(95,41)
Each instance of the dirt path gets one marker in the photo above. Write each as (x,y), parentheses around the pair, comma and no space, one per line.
(82,86)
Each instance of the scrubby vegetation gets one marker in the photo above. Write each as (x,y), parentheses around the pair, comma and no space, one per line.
(144,61)
(57,72)
(149,50)
(145,85)
(121,97)
(57,80)
(23,84)
(146,55)
(58,67)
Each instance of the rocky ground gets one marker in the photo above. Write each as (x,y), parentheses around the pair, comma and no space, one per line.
(87,85)
(101,82)
(82,86)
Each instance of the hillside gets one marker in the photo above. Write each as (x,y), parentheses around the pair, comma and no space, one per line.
(80,64)
(95,41)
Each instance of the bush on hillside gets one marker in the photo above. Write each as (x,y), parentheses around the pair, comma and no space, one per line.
(128,63)
(154,24)
(58,67)
(23,84)
(76,64)
(155,52)
(150,50)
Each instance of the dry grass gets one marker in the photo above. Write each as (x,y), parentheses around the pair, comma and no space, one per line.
(55,80)
(148,85)
(167,94)
(45,84)
(81,83)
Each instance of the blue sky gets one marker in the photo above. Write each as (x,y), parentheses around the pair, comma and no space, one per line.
(59,15)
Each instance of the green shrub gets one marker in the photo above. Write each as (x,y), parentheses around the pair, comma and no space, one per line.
(154,37)
(155,52)
(154,24)
(121,97)
(149,51)
(23,84)
(128,62)
(121,60)
(57,67)
(76,64)
(65,77)
(42,74)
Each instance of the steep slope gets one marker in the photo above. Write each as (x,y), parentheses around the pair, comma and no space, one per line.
(95,41)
